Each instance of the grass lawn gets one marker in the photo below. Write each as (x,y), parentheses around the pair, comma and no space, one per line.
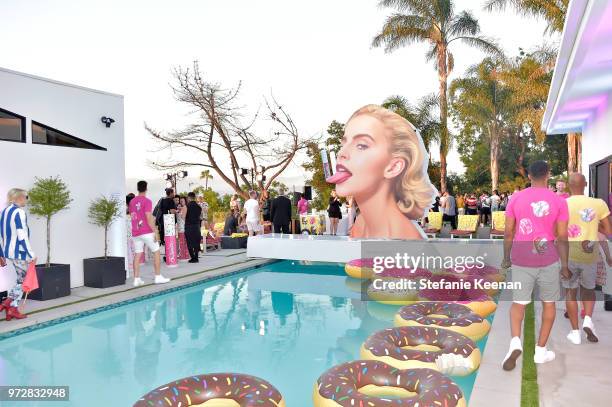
(529,383)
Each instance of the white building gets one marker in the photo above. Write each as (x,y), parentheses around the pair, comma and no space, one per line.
(580,98)
(49,128)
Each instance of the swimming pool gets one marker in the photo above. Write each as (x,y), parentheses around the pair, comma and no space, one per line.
(284,322)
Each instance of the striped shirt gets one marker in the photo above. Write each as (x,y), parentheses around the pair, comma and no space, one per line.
(15,234)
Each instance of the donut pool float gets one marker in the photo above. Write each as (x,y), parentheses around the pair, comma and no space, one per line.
(369,383)
(487,272)
(445,315)
(391,295)
(214,390)
(360,268)
(475,299)
(364,269)
(412,274)
(413,347)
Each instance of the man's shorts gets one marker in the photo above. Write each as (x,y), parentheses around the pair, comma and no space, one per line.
(145,240)
(253,226)
(546,278)
(584,274)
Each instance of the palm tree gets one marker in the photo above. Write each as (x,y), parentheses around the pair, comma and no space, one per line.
(528,77)
(206,176)
(553,12)
(482,101)
(436,23)
(422,116)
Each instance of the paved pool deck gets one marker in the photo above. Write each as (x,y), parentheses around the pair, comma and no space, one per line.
(580,375)
(82,299)
(493,385)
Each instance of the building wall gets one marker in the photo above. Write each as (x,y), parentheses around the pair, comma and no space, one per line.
(88,173)
(597,140)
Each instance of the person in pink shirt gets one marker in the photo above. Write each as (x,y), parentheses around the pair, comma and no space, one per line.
(143,226)
(561,188)
(536,217)
(302,206)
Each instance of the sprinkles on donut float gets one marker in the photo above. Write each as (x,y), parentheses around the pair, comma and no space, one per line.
(446,351)
(214,389)
(446,315)
(475,299)
(368,383)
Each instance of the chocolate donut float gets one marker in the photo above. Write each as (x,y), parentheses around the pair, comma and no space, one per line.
(447,315)
(348,385)
(243,389)
(456,354)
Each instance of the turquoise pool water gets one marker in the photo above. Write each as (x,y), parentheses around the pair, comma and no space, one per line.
(284,322)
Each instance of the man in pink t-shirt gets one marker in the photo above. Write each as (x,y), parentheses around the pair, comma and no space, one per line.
(561,188)
(143,225)
(535,240)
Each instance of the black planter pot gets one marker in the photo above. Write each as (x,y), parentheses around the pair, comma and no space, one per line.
(234,242)
(53,282)
(100,272)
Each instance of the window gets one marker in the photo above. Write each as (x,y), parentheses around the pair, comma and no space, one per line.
(42,134)
(12,127)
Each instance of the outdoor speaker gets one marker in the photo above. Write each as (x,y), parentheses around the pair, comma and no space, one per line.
(308,192)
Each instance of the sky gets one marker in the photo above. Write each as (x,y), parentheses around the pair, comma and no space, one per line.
(315,57)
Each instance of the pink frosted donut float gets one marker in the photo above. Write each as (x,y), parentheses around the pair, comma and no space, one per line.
(475,299)
(360,268)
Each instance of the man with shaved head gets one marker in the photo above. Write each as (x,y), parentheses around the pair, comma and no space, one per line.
(586,215)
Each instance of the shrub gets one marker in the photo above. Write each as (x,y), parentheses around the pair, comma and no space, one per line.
(103,212)
(48,197)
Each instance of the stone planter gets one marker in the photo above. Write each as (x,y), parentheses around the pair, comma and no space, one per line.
(100,272)
(53,282)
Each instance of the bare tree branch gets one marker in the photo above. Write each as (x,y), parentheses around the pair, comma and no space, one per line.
(220,129)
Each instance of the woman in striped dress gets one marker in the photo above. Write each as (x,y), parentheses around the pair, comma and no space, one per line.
(15,248)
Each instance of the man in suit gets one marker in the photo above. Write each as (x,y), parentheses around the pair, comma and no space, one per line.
(192,227)
(280,213)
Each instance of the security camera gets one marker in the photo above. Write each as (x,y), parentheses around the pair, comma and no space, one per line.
(107,121)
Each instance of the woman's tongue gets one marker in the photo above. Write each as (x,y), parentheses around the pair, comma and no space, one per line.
(339,177)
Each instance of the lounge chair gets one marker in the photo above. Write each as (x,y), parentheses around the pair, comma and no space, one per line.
(466,226)
(498,223)
(434,220)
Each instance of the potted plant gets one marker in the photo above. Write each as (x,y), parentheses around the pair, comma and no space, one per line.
(48,197)
(106,271)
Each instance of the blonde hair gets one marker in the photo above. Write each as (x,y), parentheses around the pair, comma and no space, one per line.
(14,194)
(412,188)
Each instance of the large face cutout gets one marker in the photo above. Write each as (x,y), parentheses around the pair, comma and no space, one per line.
(365,157)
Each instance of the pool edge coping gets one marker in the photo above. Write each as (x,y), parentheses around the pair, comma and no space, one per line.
(220,273)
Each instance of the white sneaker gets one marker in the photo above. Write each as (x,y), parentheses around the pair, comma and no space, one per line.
(574,337)
(161,279)
(589,329)
(543,355)
(138,282)
(516,349)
